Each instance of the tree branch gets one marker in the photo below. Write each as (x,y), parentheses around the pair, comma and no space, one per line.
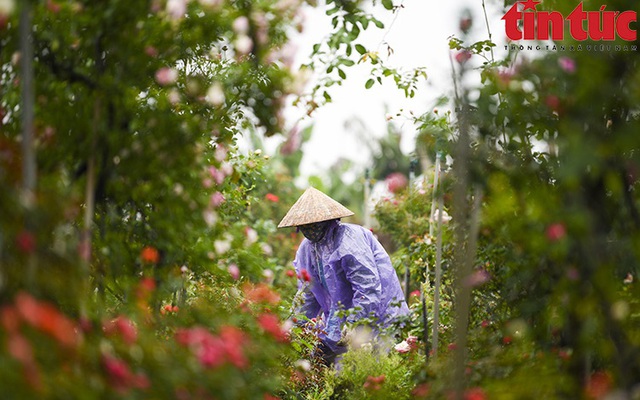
(63,71)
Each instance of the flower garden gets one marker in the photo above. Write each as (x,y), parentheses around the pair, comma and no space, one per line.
(139,254)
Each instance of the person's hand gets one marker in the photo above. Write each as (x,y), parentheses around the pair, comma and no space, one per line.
(345,335)
(355,336)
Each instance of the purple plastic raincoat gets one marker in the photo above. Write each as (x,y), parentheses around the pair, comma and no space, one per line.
(349,268)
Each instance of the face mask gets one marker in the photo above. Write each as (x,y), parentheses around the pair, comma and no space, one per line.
(314,232)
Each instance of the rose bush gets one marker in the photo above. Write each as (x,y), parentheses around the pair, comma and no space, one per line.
(144,261)
(214,346)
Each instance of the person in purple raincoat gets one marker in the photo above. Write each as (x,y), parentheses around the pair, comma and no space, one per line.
(349,270)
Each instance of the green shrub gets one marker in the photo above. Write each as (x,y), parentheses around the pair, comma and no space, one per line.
(367,374)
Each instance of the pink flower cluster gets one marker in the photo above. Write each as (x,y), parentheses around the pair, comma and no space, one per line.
(218,175)
(556,231)
(463,56)
(121,378)
(407,345)
(216,200)
(260,293)
(47,318)
(234,271)
(271,324)
(477,278)
(567,64)
(43,316)
(122,327)
(213,351)
(396,182)
(166,76)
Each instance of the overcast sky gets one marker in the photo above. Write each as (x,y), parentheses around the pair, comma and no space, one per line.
(419,38)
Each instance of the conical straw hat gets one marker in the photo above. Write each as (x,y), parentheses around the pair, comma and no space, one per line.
(313,206)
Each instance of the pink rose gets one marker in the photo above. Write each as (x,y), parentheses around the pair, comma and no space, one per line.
(166,76)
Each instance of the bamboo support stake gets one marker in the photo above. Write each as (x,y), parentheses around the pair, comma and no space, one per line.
(436,178)
(367,196)
(464,235)
(27,116)
(436,302)
(462,292)
(425,326)
(90,190)
(436,295)
(27,106)
(436,204)
(407,270)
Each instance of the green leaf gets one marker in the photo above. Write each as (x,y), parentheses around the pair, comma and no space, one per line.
(342,74)
(388,4)
(355,32)
(455,43)
(348,62)
(369,83)
(360,49)
(378,24)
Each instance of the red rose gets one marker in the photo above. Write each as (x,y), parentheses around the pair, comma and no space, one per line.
(556,232)
(463,56)
(271,324)
(26,242)
(553,102)
(150,255)
(475,394)
(304,275)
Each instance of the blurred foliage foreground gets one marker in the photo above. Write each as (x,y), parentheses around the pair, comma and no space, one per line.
(138,251)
